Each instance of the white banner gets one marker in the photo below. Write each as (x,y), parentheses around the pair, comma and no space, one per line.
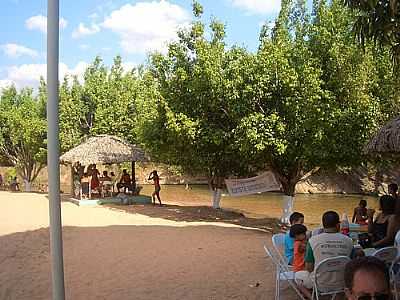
(261,183)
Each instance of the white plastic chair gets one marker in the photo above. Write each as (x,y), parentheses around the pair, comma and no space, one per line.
(387,254)
(106,188)
(278,241)
(397,239)
(324,271)
(394,272)
(317,231)
(282,273)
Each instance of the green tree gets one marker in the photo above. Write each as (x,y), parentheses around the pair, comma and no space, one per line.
(314,104)
(105,103)
(189,120)
(23,132)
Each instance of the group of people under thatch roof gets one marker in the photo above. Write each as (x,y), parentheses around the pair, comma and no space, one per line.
(107,184)
(108,150)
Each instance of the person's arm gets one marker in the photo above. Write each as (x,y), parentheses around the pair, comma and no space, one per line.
(354,215)
(309,258)
(370,214)
(150,176)
(390,233)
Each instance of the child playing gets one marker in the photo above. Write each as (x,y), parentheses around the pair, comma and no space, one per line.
(298,232)
(295,218)
(360,213)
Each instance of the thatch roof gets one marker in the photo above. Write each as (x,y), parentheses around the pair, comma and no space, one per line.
(387,140)
(103,149)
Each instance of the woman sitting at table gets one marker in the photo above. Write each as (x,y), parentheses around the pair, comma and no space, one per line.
(383,229)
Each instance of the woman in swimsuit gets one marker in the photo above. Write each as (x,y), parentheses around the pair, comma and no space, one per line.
(154,176)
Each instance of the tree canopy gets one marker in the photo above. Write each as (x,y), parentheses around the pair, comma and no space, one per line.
(378,20)
(23,131)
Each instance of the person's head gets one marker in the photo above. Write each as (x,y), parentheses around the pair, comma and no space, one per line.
(365,277)
(112,174)
(124,171)
(105,173)
(296,218)
(155,172)
(393,188)
(298,232)
(387,204)
(363,203)
(330,220)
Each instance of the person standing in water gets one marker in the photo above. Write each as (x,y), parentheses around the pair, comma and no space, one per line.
(154,176)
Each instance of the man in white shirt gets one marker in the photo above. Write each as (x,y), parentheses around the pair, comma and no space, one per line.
(330,243)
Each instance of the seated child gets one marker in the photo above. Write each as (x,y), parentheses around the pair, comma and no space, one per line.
(298,232)
(360,213)
(295,218)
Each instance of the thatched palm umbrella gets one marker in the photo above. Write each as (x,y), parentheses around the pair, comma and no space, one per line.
(387,140)
(104,149)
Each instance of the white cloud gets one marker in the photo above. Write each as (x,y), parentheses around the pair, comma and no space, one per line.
(28,75)
(4,83)
(82,30)
(39,22)
(15,50)
(129,66)
(261,7)
(147,26)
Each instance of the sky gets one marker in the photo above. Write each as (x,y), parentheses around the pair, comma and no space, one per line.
(130,28)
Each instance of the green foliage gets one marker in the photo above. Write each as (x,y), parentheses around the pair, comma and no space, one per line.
(104,104)
(189,119)
(23,131)
(315,99)
(379,21)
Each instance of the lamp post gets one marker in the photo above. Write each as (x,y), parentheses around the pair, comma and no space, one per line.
(53,148)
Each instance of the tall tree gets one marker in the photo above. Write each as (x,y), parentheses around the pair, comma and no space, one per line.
(191,120)
(313,103)
(23,132)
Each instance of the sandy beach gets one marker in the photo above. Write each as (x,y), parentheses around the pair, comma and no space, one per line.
(112,254)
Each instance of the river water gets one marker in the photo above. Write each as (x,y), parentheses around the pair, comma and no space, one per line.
(265,204)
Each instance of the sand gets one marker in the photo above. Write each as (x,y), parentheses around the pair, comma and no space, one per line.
(111,254)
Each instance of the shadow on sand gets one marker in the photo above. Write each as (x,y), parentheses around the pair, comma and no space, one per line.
(140,262)
(201,214)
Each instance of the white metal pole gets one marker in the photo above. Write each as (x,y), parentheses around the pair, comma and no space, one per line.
(53,149)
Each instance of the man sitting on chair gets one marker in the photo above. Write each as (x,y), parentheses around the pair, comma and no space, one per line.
(125,181)
(330,243)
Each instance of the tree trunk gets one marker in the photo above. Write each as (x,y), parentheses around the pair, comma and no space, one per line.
(216,183)
(289,189)
(27,185)
(288,182)
(29,172)
(217,198)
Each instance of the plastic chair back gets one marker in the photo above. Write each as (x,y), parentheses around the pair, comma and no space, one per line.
(317,231)
(387,254)
(397,239)
(278,241)
(329,275)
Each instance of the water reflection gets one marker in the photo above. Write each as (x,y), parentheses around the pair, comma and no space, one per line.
(266,204)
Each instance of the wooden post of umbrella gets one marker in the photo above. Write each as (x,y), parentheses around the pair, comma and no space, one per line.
(133,177)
